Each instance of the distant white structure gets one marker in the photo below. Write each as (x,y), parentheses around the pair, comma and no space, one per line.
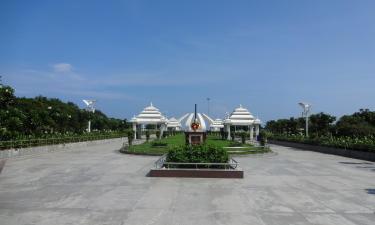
(173,124)
(216,125)
(90,107)
(149,115)
(241,117)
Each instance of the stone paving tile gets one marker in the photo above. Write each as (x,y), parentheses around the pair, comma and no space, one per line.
(98,185)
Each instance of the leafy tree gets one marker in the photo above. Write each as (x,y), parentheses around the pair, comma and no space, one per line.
(41,116)
(321,123)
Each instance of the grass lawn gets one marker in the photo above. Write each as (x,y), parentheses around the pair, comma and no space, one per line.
(149,148)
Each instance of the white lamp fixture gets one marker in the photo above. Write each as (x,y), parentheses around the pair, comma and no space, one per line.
(90,107)
(306,110)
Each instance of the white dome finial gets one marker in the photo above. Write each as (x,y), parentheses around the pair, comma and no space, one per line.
(240,105)
(151,104)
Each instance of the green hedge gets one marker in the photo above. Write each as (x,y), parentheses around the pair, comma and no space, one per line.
(197,154)
(58,140)
(354,143)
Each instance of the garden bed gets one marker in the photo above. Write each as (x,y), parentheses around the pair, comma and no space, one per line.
(159,148)
(356,154)
(196,170)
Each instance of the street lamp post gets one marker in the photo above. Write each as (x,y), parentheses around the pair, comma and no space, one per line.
(306,110)
(90,108)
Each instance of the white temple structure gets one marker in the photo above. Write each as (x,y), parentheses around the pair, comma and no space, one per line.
(216,125)
(173,124)
(149,115)
(241,117)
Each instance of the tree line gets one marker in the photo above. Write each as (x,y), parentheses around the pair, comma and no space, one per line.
(22,117)
(359,124)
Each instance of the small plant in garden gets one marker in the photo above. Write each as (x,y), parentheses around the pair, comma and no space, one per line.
(264,135)
(130,137)
(158,134)
(243,137)
(147,135)
(223,134)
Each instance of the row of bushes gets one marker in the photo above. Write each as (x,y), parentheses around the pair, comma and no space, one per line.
(197,154)
(354,143)
(63,139)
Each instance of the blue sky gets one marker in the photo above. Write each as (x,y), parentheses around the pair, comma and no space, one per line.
(265,55)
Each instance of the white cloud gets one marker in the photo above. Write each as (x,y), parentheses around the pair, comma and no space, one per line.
(62,67)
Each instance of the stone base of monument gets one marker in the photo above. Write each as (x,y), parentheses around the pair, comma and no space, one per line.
(197,173)
(199,170)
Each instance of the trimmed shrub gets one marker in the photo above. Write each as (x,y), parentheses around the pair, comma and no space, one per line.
(130,137)
(147,135)
(243,137)
(263,136)
(197,154)
(158,134)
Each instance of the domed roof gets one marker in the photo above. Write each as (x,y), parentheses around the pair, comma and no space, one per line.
(150,115)
(150,108)
(173,122)
(240,116)
(257,121)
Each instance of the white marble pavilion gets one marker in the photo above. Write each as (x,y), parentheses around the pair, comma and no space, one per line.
(238,119)
(149,115)
(173,124)
(216,125)
(241,117)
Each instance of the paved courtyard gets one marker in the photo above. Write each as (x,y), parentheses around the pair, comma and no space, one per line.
(98,185)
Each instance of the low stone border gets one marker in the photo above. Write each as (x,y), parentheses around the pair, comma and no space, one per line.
(197,173)
(2,164)
(11,153)
(369,156)
(124,151)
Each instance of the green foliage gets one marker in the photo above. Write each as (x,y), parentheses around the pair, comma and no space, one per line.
(158,134)
(40,117)
(159,143)
(59,139)
(232,135)
(243,137)
(130,137)
(263,136)
(197,154)
(147,135)
(321,123)
(147,148)
(165,134)
(366,143)
(359,124)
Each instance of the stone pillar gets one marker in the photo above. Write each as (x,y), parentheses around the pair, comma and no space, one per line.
(257,131)
(162,127)
(251,132)
(228,131)
(135,130)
